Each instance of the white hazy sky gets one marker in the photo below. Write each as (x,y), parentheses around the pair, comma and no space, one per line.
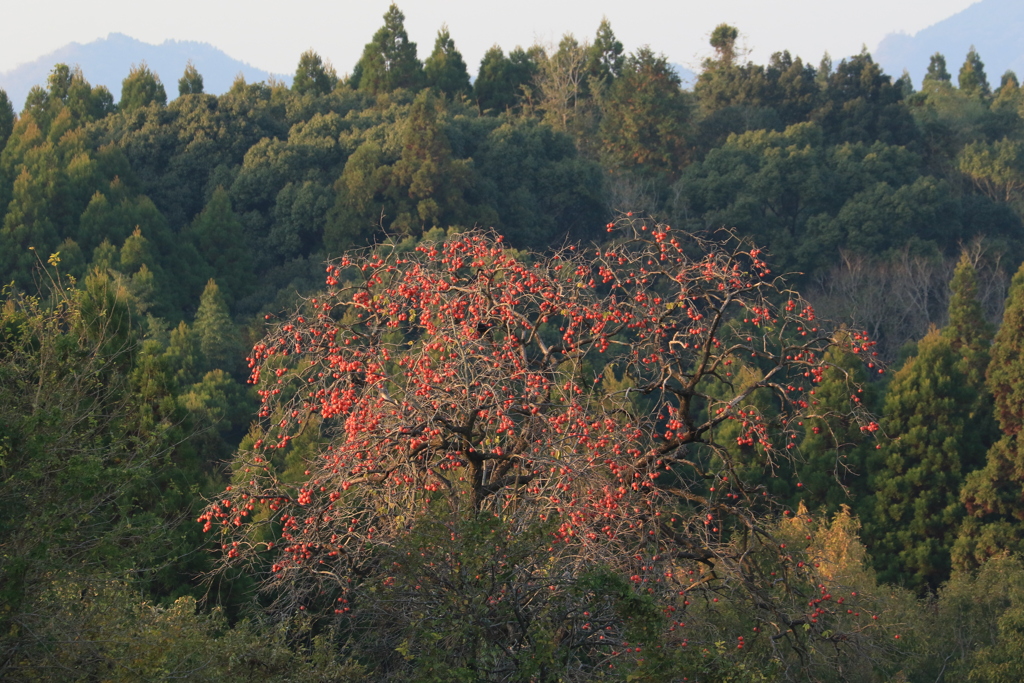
(272,35)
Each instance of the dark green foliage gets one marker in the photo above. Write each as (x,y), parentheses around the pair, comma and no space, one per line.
(1005,372)
(992,494)
(806,200)
(735,98)
(538,185)
(972,79)
(1008,81)
(405,190)
(312,76)
(445,69)
(863,105)
(52,179)
(141,88)
(937,72)
(114,218)
(934,440)
(501,80)
(968,330)
(645,119)
(218,339)
(389,61)
(605,61)
(191,82)
(68,92)
(6,119)
(938,419)
(149,201)
(218,236)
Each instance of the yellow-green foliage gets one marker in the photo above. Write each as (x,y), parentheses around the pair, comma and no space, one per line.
(104,631)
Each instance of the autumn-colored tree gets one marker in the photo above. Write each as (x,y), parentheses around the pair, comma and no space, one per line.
(833,472)
(461,459)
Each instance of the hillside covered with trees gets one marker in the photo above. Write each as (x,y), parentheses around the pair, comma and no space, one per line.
(558,373)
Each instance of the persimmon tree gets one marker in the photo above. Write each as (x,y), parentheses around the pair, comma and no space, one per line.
(510,464)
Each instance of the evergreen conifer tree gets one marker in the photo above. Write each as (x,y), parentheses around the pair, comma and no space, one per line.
(141,88)
(6,119)
(313,76)
(191,82)
(932,436)
(1008,80)
(605,57)
(937,72)
(445,69)
(994,495)
(968,331)
(215,331)
(972,78)
(183,355)
(389,60)
(645,115)
(500,81)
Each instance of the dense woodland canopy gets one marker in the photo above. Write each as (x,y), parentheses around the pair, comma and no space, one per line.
(554,410)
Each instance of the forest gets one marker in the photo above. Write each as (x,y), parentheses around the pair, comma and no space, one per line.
(559,373)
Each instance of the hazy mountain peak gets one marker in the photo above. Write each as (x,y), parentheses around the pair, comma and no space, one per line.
(993,27)
(106,61)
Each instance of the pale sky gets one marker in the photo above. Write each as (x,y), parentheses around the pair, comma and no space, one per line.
(272,35)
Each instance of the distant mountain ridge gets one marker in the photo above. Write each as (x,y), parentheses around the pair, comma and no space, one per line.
(107,61)
(993,27)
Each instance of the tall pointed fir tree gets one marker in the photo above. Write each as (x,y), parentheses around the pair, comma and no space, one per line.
(937,72)
(215,331)
(445,69)
(931,439)
(191,82)
(389,61)
(313,76)
(967,330)
(140,88)
(938,414)
(972,78)
(994,495)
(605,58)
